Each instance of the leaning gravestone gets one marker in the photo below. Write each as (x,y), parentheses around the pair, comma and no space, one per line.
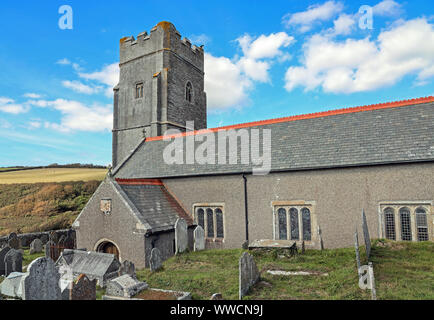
(156,261)
(41,281)
(199,239)
(181,235)
(83,289)
(35,246)
(13,262)
(248,274)
(356,247)
(127,267)
(14,243)
(3,253)
(366,234)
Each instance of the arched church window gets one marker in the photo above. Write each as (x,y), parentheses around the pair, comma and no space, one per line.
(281,214)
(210,222)
(201,218)
(189,92)
(219,223)
(404,214)
(293,216)
(305,214)
(422,224)
(389,223)
(139,90)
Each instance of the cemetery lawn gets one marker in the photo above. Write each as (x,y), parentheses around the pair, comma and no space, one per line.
(402,271)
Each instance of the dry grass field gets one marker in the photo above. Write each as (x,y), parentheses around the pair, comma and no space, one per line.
(52,175)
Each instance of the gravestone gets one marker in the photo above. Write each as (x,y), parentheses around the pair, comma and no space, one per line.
(127,267)
(14,243)
(125,286)
(51,250)
(44,238)
(366,234)
(11,286)
(3,253)
(248,274)
(41,281)
(156,260)
(13,262)
(83,289)
(12,235)
(181,235)
(199,239)
(54,237)
(61,242)
(356,247)
(35,246)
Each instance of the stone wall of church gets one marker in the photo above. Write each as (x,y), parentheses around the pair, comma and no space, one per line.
(336,197)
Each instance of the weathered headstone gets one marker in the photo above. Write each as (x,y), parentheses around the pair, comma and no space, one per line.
(366,234)
(127,267)
(69,242)
(44,238)
(125,286)
(12,235)
(11,286)
(181,235)
(41,281)
(356,247)
(36,246)
(14,243)
(13,262)
(248,274)
(54,237)
(3,253)
(51,250)
(199,238)
(83,289)
(156,260)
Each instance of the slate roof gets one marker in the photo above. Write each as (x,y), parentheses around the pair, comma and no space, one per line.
(398,132)
(155,204)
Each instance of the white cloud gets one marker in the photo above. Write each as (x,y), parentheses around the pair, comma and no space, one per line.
(227,82)
(63,61)
(4,124)
(363,65)
(108,75)
(8,105)
(343,25)
(78,117)
(225,86)
(318,12)
(32,95)
(387,8)
(34,124)
(77,86)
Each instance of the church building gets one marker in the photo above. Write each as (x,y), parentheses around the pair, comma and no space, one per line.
(323,168)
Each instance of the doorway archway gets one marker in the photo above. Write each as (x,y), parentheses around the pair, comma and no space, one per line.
(107,246)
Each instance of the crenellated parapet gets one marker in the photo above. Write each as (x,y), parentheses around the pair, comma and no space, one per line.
(162,37)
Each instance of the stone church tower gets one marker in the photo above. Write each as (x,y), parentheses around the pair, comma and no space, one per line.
(161,86)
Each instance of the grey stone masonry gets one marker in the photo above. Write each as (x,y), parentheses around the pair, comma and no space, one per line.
(248,274)
(13,261)
(36,246)
(181,235)
(156,260)
(199,239)
(3,252)
(151,95)
(125,286)
(41,281)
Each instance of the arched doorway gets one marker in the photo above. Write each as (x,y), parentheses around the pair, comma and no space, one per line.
(108,247)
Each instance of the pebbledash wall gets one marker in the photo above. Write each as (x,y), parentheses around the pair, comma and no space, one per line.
(336,210)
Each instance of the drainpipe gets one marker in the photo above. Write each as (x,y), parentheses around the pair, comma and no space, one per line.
(246,210)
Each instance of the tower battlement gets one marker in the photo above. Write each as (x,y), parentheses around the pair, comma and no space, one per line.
(162,37)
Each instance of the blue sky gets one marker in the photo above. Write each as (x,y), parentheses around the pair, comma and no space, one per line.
(263,60)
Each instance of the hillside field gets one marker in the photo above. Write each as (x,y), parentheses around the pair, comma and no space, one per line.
(45,199)
(52,175)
